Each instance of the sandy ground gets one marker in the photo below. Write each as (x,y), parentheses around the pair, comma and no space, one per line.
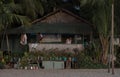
(58,73)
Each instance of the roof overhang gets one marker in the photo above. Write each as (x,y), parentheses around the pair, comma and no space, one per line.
(61,28)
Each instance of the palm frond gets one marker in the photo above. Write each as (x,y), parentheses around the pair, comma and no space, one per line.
(12,18)
(39,9)
(10,14)
(101,14)
(31,8)
(87,2)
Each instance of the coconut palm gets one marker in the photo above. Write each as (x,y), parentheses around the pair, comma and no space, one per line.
(31,8)
(9,15)
(101,18)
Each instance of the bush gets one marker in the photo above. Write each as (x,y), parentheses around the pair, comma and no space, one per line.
(85,61)
(117,55)
(1,65)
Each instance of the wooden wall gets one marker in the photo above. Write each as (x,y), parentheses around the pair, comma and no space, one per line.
(61,17)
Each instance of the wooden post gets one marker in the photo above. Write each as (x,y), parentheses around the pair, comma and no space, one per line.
(112,37)
(109,57)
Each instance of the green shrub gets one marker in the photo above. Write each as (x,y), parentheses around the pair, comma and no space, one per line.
(1,65)
(85,61)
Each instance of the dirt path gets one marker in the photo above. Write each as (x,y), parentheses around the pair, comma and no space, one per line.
(58,73)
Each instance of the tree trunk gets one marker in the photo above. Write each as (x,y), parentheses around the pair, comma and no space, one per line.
(105,46)
(8,47)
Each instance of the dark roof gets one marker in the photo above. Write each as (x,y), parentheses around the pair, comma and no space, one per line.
(61,28)
(58,27)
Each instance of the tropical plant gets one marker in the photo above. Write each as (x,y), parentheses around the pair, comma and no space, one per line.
(31,8)
(117,61)
(9,16)
(85,61)
(101,18)
(93,50)
(117,16)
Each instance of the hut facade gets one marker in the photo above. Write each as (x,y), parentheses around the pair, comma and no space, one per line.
(59,29)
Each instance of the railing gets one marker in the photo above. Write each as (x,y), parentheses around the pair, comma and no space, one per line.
(39,47)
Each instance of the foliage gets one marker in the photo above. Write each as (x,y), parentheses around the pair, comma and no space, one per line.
(94,50)
(117,53)
(31,8)
(2,61)
(17,54)
(1,65)
(9,15)
(85,61)
(1,54)
(117,16)
(24,60)
(101,18)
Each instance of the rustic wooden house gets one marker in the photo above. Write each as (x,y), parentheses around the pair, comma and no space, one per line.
(55,28)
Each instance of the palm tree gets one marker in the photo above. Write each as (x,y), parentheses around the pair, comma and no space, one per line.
(9,15)
(31,8)
(18,11)
(101,18)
